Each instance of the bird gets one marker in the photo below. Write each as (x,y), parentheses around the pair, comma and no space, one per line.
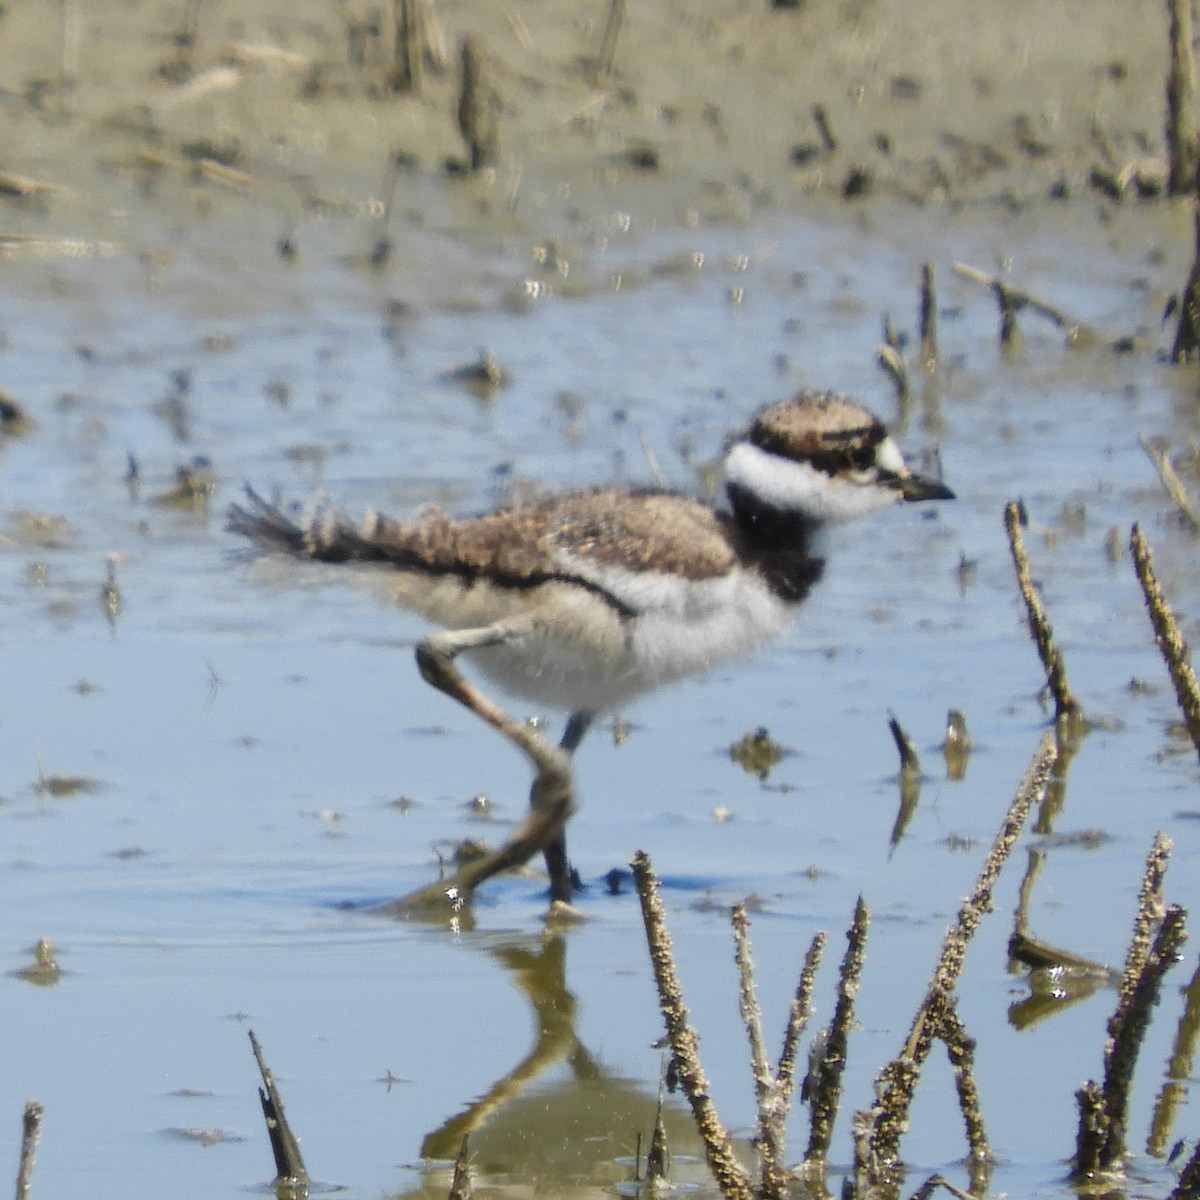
(582,600)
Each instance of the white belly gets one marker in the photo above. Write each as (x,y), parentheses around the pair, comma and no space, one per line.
(591,659)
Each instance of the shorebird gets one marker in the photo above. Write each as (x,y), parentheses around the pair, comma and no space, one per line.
(583,600)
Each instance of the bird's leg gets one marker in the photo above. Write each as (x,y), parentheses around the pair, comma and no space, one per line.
(563,880)
(550,798)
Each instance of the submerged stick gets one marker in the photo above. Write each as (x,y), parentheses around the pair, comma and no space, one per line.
(31,1128)
(477,108)
(460,1181)
(1065,704)
(1176,1085)
(718,1145)
(1012,300)
(1168,637)
(897,1081)
(1171,481)
(1186,347)
(608,43)
(928,317)
(289,1165)
(827,1087)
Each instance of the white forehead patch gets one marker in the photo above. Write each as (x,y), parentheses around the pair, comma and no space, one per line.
(792,486)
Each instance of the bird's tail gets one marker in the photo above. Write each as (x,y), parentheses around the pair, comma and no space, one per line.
(326,534)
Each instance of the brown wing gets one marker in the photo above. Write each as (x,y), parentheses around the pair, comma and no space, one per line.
(519,546)
(638,531)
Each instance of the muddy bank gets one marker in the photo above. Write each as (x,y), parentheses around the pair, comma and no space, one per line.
(713,110)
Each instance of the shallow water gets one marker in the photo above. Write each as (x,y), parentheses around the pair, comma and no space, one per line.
(254,726)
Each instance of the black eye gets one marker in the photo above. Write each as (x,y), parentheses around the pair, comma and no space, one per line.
(863,458)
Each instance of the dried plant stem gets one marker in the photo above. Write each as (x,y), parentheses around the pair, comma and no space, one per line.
(1012,300)
(1172,482)
(31,1127)
(1179,1071)
(1168,636)
(608,43)
(827,1087)
(928,317)
(718,1148)
(460,1182)
(477,109)
(797,1019)
(897,1081)
(289,1165)
(892,363)
(1188,1187)
(1181,87)
(1103,1109)
(960,1048)
(406,51)
(1065,704)
(769,1141)
(1186,347)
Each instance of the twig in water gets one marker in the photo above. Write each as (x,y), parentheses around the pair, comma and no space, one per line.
(877,1148)
(406,50)
(826,1089)
(1177,1084)
(798,1016)
(1103,1109)
(31,1127)
(477,108)
(718,1146)
(608,43)
(289,1165)
(770,1147)
(1012,300)
(928,321)
(460,1182)
(1186,347)
(892,363)
(1172,482)
(960,1048)
(909,762)
(1065,705)
(1181,87)
(1167,635)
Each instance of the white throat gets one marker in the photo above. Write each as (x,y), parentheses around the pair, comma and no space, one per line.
(792,486)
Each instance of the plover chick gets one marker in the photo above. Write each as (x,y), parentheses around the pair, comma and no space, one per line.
(582,600)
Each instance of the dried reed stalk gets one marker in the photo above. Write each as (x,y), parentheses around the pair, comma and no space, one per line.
(928,317)
(897,1081)
(31,1128)
(1176,1086)
(960,1048)
(608,43)
(1186,347)
(1181,87)
(1012,300)
(827,1086)
(1066,707)
(1103,1108)
(1188,1187)
(1170,640)
(478,118)
(289,1165)
(798,1014)
(1172,482)
(770,1134)
(718,1146)
(460,1182)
